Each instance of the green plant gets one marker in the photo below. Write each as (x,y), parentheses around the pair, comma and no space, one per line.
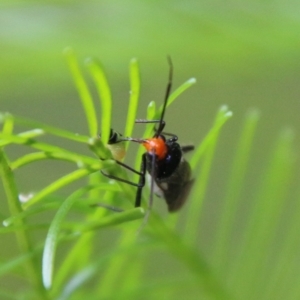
(121,270)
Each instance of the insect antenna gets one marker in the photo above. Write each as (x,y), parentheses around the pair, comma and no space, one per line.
(157,133)
(168,90)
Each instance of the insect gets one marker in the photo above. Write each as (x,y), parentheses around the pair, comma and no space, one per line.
(115,145)
(170,174)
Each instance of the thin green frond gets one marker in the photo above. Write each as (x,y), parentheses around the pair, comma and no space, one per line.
(98,75)
(151,111)
(53,235)
(117,266)
(21,235)
(283,280)
(63,181)
(234,188)
(174,95)
(90,270)
(27,135)
(37,156)
(191,257)
(27,228)
(9,118)
(49,149)
(52,238)
(85,95)
(222,116)
(264,217)
(30,212)
(253,244)
(8,123)
(134,74)
(112,220)
(206,150)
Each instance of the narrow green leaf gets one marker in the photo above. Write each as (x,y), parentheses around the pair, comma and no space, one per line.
(113,219)
(37,156)
(234,187)
(28,135)
(104,92)
(260,231)
(207,149)
(46,128)
(14,228)
(174,95)
(8,121)
(118,264)
(151,110)
(57,223)
(90,270)
(53,236)
(222,116)
(29,212)
(79,159)
(85,95)
(191,257)
(61,182)
(134,73)
(24,243)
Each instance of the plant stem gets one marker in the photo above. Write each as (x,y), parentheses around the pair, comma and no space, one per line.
(21,235)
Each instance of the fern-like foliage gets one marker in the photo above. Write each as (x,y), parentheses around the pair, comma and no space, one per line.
(165,260)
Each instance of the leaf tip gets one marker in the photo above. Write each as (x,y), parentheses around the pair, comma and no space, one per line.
(192,80)
(133,60)
(68,51)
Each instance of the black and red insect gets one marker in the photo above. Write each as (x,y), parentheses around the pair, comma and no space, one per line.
(170,173)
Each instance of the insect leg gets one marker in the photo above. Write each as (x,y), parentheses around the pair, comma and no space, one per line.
(141,183)
(162,124)
(187,148)
(121,179)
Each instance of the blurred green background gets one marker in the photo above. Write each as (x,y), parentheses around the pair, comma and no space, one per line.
(243,53)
